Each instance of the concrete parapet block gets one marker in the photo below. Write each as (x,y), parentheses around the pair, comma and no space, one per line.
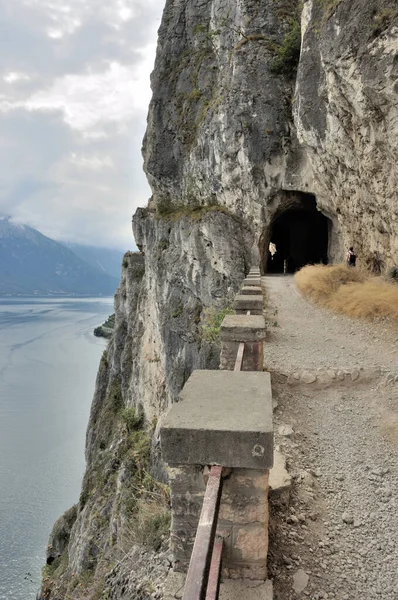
(243,303)
(243,328)
(249,329)
(251,290)
(222,418)
(252,281)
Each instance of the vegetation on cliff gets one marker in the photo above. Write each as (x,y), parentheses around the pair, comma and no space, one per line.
(106,329)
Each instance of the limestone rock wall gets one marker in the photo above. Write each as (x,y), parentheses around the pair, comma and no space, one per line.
(346,116)
(220,122)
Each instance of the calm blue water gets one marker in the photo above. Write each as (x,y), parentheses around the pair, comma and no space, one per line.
(48,364)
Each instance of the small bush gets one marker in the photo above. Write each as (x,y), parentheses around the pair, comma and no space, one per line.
(288,53)
(132,419)
(212,326)
(178,310)
(383,20)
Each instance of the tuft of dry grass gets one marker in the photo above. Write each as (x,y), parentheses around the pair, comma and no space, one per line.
(150,523)
(350,291)
(321,282)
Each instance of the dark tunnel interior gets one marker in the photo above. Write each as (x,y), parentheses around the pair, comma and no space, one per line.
(301,237)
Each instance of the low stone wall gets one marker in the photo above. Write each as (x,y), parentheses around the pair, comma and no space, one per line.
(243,519)
(226,419)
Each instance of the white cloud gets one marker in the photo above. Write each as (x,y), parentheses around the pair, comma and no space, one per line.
(91,162)
(14,77)
(69,16)
(91,100)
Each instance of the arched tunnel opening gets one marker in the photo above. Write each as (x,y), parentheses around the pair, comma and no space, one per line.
(300,235)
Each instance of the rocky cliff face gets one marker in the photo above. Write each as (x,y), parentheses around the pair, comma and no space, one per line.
(346,117)
(241,127)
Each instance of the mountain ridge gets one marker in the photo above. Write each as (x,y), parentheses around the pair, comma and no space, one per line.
(34,264)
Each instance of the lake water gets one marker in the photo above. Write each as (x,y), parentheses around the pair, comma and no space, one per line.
(48,364)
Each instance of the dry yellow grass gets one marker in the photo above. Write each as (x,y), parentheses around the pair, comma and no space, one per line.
(350,291)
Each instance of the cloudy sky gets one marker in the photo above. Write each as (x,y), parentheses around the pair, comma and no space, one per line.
(74,91)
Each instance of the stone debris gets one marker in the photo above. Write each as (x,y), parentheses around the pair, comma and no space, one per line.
(285,430)
(347,518)
(280,481)
(341,521)
(300,581)
(308,377)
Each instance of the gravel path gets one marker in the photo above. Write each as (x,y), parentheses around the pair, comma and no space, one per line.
(337,538)
(304,336)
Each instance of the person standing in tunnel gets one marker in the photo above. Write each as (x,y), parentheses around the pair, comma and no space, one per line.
(351,257)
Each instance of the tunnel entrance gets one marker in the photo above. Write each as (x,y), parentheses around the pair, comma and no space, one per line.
(301,236)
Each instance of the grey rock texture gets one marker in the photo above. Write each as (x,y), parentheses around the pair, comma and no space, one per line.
(345,114)
(220,123)
(231,143)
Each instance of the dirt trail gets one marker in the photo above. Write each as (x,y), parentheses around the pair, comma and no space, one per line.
(339,529)
(304,336)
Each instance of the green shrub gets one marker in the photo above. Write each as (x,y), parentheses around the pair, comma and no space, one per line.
(132,419)
(179,309)
(212,326)
(288,53)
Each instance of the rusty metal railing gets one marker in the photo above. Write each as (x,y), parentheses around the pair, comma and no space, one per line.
(203,576)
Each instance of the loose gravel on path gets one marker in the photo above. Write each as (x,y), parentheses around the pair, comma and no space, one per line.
(337,537)
(303,336)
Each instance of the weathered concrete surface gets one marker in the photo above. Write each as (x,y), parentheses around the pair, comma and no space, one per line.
(243,328)
(246,590)
(222,418)
(252,281)
(253,303)
(242,522)
(251,290)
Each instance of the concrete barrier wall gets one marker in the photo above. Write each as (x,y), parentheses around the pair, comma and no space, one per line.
(225,420)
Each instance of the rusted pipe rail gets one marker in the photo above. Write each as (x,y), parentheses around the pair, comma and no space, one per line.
(213,583)
(239,356)
(197,577)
